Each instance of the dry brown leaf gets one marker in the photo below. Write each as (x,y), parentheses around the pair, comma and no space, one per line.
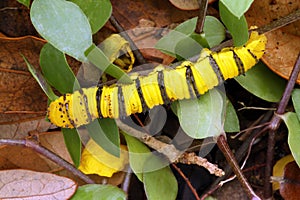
(21,157)
(283,44)
(278,169)
(15,157)
(20,95)
(290,186)
(129,13)
(187,4)
(23,129)
(26,184)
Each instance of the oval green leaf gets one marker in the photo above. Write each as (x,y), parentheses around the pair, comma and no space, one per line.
(62,24)
(231,123)
(237,27)
(237,7)
(105,133)
(187,48)
(97,12)
(99,192)
(263,83)
(293,125)
(168,43)
(214,31)
(56,70)
(161,183)
(296,101)
(138,154)
(73,144)
(202,118)
(25,2)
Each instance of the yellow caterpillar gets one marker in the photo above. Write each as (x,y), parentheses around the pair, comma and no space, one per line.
(161,86)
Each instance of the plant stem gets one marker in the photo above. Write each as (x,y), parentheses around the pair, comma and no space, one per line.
(274,124)
(201,15)
(222,144)
(48,154)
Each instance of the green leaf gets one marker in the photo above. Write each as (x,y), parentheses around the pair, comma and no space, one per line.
(138,154)
(106,134)
(187,27)
(263,83)
(231,123)
(62,24)
(99,192)
(25,2)
(296,101)
(97,12)
(98,58)
(73,144)
(201,118)
(168,43)
(214,31)
(187,48)
(56,70)
(293,125)
(41,81)
(161,183)
(237,26)
(237,7)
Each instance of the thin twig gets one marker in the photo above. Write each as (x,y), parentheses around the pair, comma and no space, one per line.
(48,154)
(290,18)
(187,181)
(169,150)
(283,21)
(274,124)
(201,15)
(126,182)
(244,149)
(222,144)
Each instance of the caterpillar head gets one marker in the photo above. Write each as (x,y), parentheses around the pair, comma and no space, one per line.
(58,112)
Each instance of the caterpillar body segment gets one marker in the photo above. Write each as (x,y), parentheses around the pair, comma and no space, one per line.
(161,86)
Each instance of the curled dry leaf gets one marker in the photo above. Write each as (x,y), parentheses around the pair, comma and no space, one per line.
(25,184)
(96,160)
(283,44)
(278,169)
(290,186)
(187,4)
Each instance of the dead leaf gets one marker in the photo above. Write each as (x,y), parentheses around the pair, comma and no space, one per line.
(278,169)
(20,95)
(129,13)
(188,4)
(31,185)
(290,186)
(95,160)
(21,157)
(23,129)
(283,44)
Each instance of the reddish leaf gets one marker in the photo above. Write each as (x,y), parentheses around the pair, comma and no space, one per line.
(290,187)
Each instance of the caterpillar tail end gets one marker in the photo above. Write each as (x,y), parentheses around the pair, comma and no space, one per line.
(257,43)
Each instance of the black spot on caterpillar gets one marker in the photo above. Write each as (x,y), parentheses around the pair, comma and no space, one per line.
(161,86)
